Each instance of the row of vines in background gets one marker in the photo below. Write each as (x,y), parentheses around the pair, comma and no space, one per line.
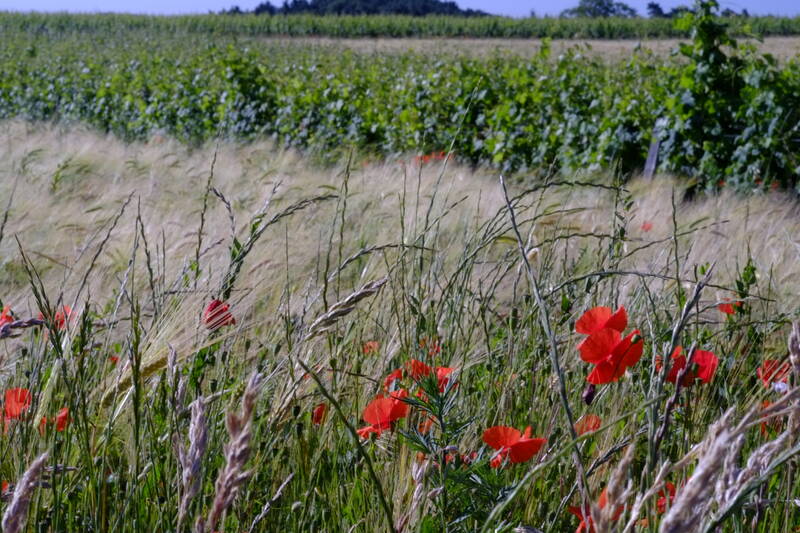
(724,113)
(386,26)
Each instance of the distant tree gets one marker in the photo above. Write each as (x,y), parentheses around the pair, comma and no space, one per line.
(367,7)
(654,11)
(265,8)
(679,11)
(600,8)
(235,10)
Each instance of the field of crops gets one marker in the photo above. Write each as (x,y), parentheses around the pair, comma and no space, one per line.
(387,26)
(725,118)
(270,286)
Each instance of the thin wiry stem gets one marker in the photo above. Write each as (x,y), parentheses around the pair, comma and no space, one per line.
(544,318)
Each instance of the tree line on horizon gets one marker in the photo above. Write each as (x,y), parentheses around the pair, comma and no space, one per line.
(584,9)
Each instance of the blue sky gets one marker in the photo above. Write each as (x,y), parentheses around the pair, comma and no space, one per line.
(501,7)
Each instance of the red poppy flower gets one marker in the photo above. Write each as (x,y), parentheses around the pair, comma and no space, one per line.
(114,359)
(647,225)
(61,317)
(417,369)
(775,423)
(704,362)
(370,347)
(432,345)
(771,371)
(728,307)
(393,376)
(17,401)
(425,426)
(588,424)
(443,376)
(4,486)
(664,498)
(601,317)
(587,525)
(62,419)
(217,314)
(509,442)
(318,414)
(5,316)
(381,413)
(610,353)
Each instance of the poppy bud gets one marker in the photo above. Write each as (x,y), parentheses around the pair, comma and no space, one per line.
(588,394)
(217,314)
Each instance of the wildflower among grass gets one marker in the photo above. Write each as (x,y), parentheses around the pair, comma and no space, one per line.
(370,347)
(318,413)
(775,424)
(665,499)
(586,524)
(394,376)
(588,424)
(605,347)
(382,413)
(510,443)
(432,345)
(16,402)
(704,365)
(772,371)
(599,318)
(61,318)
(217,314)
(729,307)
(417,370)
(443,376)
(5,316)
(61,420)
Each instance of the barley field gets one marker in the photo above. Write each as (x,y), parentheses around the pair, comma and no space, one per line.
(251,283)
(332,278)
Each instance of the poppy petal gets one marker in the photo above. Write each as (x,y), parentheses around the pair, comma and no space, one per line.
(16,401)
(707,364)
(603,373)
(619,320)
(379,411)
(599,345)
(593,320)
(525,449)
(587,424)
(629,352)
(499,437)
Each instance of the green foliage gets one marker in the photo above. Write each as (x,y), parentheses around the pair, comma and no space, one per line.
(600,8)
(731,115)
(724,114)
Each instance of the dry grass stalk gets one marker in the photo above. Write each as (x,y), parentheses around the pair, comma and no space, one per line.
(191,459)
(418,471)
(638,504)
(17,512)
(270,503)
(617,493)
(344,307)
(692,502)
(233,475)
